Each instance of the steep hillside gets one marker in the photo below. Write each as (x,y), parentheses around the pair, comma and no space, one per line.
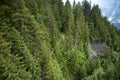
(46,40)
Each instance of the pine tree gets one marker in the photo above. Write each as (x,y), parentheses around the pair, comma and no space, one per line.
(96,19)
(86,6)
(52,27)
(11,66)
(74,3)
(57,7)
(46,40)
(50,65)
(65,16)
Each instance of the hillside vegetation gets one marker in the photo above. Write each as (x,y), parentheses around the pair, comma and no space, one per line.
(49,40)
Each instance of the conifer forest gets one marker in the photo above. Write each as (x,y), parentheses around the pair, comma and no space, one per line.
(52,40)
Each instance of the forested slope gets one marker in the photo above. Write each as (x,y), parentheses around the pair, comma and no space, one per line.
(46,40)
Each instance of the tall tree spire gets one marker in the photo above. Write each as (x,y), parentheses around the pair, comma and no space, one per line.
(74,3)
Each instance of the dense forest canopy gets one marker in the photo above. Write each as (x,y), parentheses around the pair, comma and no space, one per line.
(49,40)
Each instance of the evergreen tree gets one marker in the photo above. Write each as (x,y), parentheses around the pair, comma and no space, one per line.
(46,40)
(86,6)
(65,16)
(74,3)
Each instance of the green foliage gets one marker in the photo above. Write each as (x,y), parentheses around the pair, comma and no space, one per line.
(11,66)
(65,16)
(75,62)
(86,6)
(46,40)
(51,66)
(97,75)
